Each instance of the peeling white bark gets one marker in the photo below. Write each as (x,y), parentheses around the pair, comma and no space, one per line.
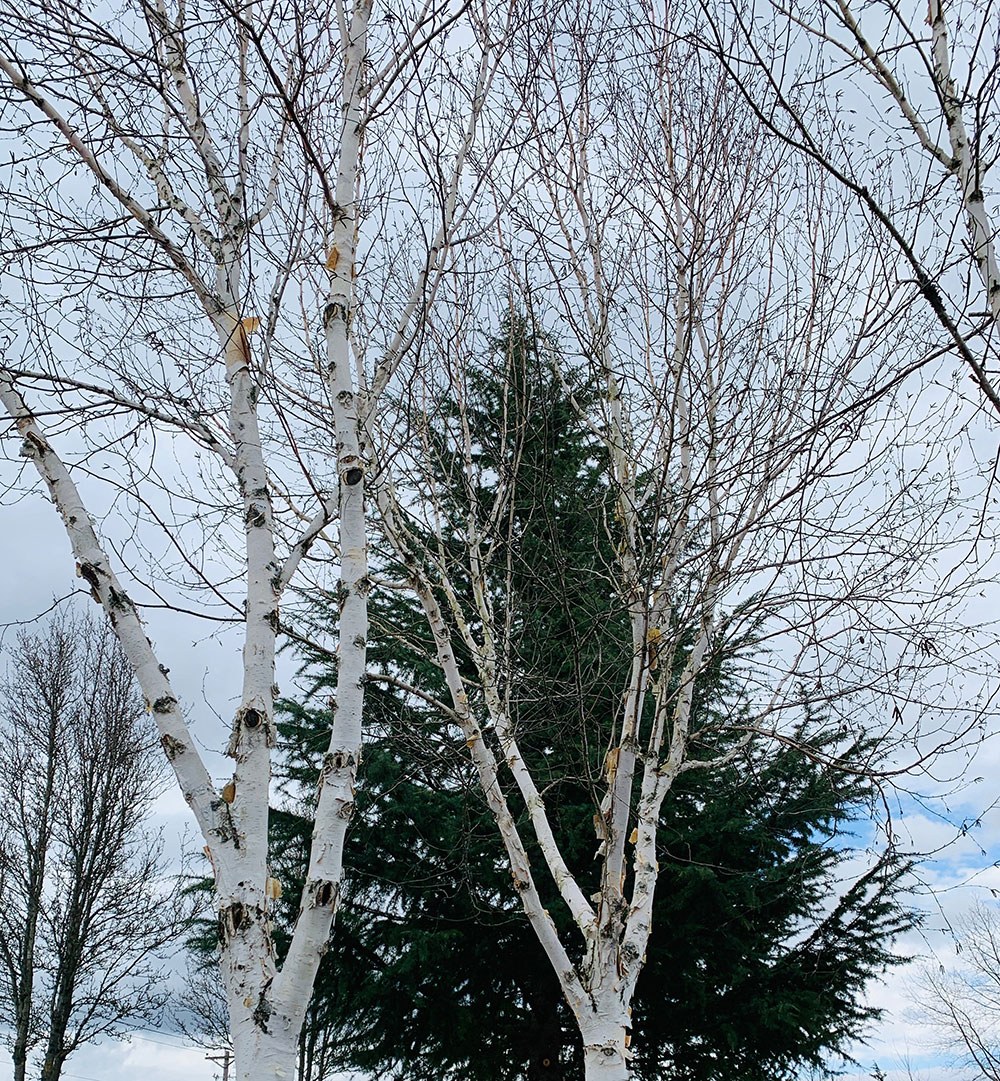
(266,1006)
(335,807)
(273,1056)
(246,948)
(485,655)
(487,768)
(206,196)
(482,756)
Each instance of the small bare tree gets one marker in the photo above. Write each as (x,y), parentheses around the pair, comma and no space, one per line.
(961,1003)
(87,908)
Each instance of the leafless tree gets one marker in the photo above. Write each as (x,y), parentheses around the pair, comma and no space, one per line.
(740,361)
(88,909)
(187,182)
(961,1003)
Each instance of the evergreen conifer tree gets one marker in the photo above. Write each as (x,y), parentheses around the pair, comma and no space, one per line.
(752,970)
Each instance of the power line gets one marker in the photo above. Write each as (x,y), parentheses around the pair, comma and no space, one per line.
(138,1034)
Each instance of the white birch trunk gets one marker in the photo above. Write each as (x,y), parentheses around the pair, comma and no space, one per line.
(269,1056)
(982,233)
(247,960)
(335,808)
(95,569)
(243,927)
(487,768)
(266,1007)
(604,1028)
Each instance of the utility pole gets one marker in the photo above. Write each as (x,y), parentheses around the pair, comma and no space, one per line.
(224,1059)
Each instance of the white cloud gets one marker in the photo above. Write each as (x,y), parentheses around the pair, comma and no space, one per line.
(153,1058)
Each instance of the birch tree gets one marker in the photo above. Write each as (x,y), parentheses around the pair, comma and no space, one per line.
(898,103)
(756,974)
(718,300)
(224,228)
